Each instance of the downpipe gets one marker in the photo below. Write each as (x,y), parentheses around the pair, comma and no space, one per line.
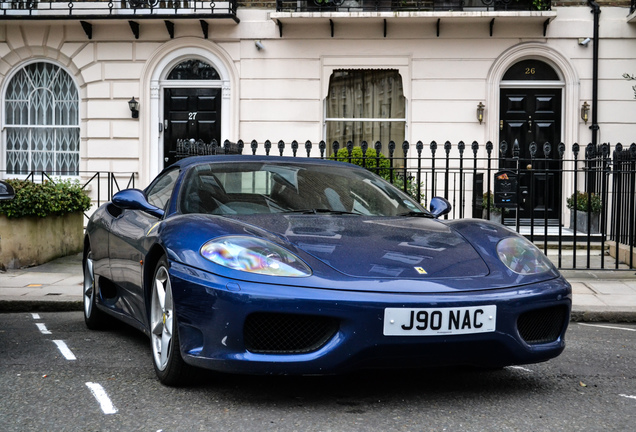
(596,10)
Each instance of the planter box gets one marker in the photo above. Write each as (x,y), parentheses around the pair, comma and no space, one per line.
(495,217)
(581,222)
(32,241)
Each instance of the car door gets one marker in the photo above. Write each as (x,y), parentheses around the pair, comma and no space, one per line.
(128,247)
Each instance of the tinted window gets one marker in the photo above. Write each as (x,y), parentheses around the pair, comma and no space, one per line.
(253,188)
(160,191)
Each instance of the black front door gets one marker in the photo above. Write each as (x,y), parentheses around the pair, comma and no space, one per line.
(190,113)
(533,116)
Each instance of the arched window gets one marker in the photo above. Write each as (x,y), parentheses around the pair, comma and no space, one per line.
(531,70)
(193,70)
(42,121)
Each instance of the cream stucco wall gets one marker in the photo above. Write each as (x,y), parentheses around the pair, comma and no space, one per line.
(278,93)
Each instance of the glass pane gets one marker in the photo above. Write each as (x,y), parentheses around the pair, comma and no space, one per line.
(41,110)
(67,154)
(17,112)
(531,70)
(358,131)
(17,151)
(193,70)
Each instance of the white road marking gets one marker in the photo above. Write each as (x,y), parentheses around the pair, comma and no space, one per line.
(101,396)
(608,327)
(35,316)
(628,396)
(43,328)
(66,352)
(520,368)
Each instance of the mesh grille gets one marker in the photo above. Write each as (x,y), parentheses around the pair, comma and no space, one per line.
(542,325)
(287,334)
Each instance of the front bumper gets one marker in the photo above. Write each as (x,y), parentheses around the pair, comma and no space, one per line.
(212,313)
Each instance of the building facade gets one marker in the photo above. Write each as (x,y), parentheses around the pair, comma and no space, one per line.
(304,71)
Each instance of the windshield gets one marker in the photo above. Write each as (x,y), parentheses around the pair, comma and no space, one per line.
(257,188)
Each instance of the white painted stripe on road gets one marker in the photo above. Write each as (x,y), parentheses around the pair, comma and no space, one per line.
(43,328)
(608,327)
(35,316)
(66,352)
(101,396)
(628,396)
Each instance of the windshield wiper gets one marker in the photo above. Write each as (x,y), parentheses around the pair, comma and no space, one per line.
(321,211)
(416,213)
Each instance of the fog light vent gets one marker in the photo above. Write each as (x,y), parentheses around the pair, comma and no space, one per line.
(287,333)
(542,325)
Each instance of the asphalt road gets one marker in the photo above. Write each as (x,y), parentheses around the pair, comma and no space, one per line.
(55,375)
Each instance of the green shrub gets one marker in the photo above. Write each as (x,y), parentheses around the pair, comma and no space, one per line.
(44,199)
(581,202)
(381,166)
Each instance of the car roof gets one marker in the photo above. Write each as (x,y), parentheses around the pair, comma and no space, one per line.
(197,160)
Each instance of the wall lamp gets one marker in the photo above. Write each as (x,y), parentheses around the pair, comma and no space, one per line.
(480,112)
(585,111)
(134,107)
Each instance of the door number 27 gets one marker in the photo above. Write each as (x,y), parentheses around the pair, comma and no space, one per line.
(192,115)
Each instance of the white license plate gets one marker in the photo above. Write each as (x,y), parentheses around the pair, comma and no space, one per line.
(440,321)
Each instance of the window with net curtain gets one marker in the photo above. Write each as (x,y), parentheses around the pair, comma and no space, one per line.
(366,105)
(42,121)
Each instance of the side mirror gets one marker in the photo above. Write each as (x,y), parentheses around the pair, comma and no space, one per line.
(440,206)
(6,191)
(134,199)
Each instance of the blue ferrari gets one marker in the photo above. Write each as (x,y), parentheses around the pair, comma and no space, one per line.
(274,265)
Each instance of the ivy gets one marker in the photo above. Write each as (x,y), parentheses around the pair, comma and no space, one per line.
(44,199)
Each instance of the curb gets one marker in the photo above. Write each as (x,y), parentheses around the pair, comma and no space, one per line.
(603,316)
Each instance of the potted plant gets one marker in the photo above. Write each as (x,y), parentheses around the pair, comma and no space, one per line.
(42,222)
(584,202)
(495,212)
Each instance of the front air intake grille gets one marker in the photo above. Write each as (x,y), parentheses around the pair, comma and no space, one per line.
(542,325)
(287,333)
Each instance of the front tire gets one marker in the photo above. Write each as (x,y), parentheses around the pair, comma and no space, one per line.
(164,336)
(94,318)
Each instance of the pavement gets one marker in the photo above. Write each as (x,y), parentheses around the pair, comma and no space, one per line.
(597,295)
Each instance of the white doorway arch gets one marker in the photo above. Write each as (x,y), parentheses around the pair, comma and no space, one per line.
(157,70)
(562,65)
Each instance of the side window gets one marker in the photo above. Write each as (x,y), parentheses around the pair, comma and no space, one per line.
(161,190)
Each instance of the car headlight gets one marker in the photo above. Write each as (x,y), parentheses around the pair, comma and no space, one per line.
(522,257)
(254,255)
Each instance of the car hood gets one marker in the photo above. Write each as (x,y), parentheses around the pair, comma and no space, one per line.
(377,247)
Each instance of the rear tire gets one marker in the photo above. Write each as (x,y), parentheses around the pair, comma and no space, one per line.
(94,318)
(169,366)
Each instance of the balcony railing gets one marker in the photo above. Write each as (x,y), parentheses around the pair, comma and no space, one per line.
(122,9)
(410,5)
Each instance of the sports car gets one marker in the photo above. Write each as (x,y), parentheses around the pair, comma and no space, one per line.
(274,265)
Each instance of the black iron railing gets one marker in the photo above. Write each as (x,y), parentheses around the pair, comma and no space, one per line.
(603,175)
(409,5)
(632,7)
(121,9)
